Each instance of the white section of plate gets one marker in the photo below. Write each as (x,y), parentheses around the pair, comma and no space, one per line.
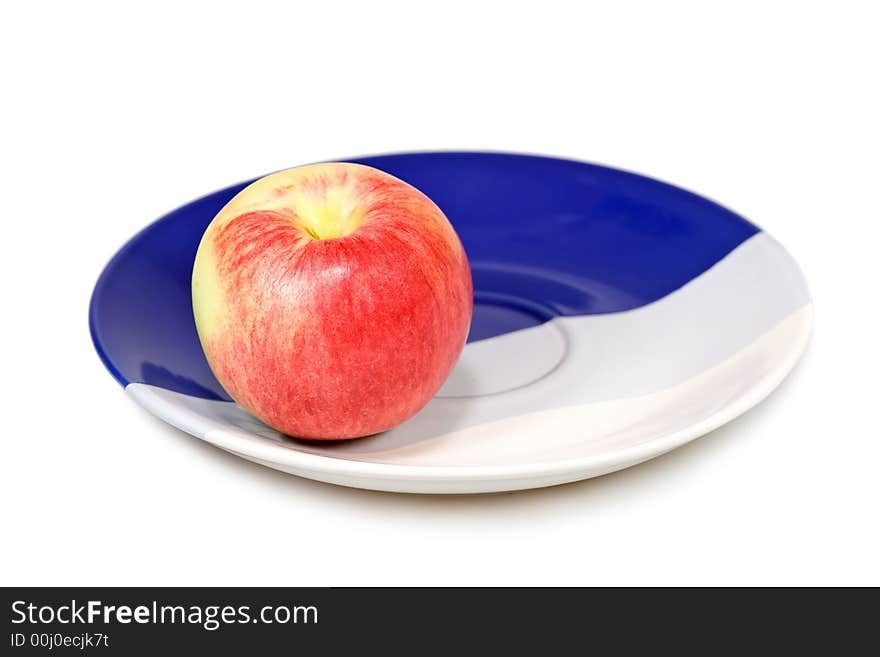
(627,387)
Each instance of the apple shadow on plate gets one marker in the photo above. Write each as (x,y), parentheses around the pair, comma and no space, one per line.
(162,377)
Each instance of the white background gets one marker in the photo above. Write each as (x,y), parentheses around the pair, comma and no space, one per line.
(112,116)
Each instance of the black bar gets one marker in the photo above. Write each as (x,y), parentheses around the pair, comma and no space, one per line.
(334,621)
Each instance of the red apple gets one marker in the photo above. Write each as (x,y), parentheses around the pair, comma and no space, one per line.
(331,300)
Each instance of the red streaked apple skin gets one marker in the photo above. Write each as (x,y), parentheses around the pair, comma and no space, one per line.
(340,337)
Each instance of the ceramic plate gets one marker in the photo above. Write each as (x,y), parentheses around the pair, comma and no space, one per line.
(616,318)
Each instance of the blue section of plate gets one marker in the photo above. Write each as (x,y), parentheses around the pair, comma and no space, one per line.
(545,237)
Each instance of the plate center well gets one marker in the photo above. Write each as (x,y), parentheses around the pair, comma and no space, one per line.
(512,343)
